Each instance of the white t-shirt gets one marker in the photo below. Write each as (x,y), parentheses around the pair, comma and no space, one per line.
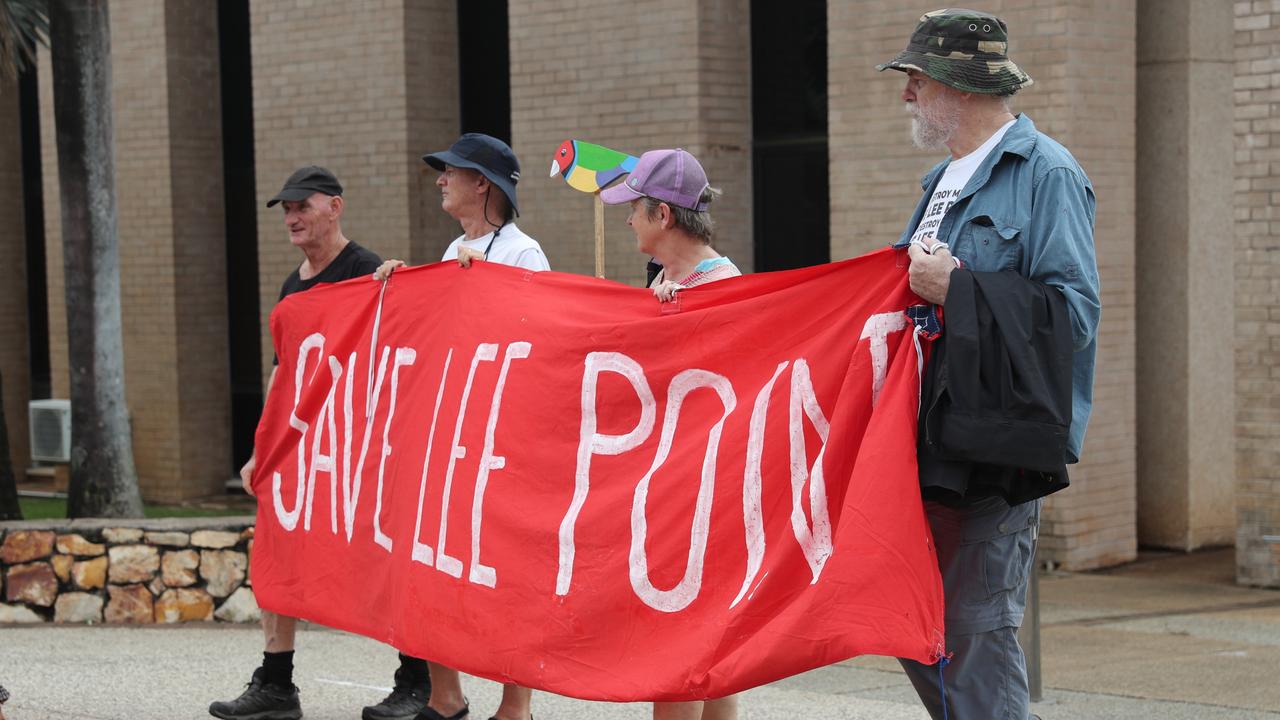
(512,247)
(954,178)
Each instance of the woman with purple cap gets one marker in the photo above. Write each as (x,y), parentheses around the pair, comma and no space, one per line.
(669,196)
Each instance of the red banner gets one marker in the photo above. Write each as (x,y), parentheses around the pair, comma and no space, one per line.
(557,481)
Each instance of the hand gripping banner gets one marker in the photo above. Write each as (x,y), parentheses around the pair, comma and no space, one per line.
(556,481)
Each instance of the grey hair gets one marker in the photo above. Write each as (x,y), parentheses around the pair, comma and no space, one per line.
(697,223)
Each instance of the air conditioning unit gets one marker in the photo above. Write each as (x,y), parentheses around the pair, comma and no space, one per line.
(50,423)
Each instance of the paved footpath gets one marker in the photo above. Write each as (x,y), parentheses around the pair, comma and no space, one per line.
(1168,637)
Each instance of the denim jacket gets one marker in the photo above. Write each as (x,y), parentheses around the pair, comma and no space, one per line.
(1029,207)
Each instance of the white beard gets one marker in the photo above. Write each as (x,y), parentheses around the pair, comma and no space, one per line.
(931,128)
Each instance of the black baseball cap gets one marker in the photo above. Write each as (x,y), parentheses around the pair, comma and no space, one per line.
(307,180)
(490,156)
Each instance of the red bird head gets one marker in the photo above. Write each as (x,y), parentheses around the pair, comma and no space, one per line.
(563,159)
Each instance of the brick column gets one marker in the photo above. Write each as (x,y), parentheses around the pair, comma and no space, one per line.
(364,89)
(1081,54)
(1257,292)
(1184,240)
(668,73)
(169,193)
(15,370)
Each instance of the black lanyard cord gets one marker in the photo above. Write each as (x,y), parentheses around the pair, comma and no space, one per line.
(497,228)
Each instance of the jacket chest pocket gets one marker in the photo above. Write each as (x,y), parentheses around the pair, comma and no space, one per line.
(988,244)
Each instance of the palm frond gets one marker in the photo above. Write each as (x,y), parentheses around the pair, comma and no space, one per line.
(23,25)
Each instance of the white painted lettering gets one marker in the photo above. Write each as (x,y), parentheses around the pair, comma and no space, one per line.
(877,330)
(591,443)
(685,591)
(404,356)
(815,542)
(422,552)
(752,514)
(289,518)
(485,352)
(483,574)
(352,499)
(325,463)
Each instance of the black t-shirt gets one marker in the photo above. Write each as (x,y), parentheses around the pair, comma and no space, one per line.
(353,261)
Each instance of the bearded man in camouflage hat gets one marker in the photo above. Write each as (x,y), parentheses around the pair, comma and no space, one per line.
(1008,198)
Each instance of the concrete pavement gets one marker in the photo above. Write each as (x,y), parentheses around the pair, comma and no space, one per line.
(1169,636)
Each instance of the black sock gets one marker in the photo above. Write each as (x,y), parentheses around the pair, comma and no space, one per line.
(277,668)
(416,670)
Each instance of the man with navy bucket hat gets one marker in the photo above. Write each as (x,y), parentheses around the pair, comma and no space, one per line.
(478,176)
(1008,199)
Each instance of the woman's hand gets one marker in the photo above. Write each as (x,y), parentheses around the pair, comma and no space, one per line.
(666,291)
(385,269)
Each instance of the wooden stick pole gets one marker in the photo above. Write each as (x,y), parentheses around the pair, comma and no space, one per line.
(599,235)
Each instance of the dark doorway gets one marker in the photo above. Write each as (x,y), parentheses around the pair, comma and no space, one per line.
(789,143)
(33,220)
(484,68)
(243,323)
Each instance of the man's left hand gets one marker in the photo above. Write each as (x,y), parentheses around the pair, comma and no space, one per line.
(466,255)
(246,478)
(930,275)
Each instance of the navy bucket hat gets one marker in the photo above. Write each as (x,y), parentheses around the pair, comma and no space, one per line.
(486,154)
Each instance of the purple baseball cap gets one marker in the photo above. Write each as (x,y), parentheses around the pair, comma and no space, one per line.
(672,176)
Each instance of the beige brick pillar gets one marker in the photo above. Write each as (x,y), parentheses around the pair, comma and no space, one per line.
(668,73)
(15,370)
(1257,292)
(1184,280)
(168,152)
(364,91)
(1081,54)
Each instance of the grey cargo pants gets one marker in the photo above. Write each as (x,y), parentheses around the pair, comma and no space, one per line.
(985,553)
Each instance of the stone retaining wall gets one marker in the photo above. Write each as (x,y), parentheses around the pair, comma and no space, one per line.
(127,571)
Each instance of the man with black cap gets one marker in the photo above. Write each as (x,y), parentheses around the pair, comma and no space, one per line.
(1009,198)
(478,176)
(313,204)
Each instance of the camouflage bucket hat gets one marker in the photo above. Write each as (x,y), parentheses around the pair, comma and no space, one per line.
(964,49)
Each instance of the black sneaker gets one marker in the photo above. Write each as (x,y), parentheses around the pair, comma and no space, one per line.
(260,701)
(404,703)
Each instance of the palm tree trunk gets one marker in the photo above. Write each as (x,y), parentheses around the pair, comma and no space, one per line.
(104,482)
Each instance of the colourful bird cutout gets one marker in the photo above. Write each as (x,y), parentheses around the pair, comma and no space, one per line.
(589,167)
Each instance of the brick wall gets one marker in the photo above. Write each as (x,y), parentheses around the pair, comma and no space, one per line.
(197,237)
(634,77)
(363,89)
(1081,54)
(1085,60)
(148,272)
(166,115)
(1257,185)
(431,86)
(14,367)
